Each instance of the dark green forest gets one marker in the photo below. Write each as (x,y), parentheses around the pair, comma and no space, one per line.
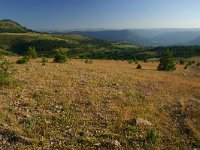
(99,49)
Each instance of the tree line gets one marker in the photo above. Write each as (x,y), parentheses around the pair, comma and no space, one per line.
(99,49)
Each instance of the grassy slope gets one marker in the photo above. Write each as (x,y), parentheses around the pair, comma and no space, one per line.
(7,39)
(125,46)
(11,26)
(76,105)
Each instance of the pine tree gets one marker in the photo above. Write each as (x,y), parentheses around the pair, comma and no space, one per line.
(31,53)
(166,62)
(60,56)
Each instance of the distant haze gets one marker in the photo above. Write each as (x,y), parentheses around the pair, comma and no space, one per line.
(148,37)
(95,14)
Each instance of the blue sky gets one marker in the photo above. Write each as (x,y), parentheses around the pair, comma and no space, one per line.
(75,14)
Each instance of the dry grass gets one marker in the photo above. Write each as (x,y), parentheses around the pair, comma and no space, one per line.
(87,106)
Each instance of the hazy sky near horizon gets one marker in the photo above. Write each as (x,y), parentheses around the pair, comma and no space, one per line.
(75,14)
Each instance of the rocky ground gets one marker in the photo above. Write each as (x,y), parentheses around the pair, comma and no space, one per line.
(103,105)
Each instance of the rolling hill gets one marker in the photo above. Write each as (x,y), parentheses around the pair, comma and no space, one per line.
(13,34)
(176,38)
(9,26)
(146,37)
(195,41)
(116,36)
(84,45)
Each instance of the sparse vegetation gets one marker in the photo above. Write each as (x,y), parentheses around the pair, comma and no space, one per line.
(81,106)
(186,66)
(6,72)
(139,66)
(189,63)
(136,61)
(23,60)
(152,136)
(88,61)
(44,60)
(181,62)
(130,61)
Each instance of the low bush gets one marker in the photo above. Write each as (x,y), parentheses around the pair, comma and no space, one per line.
(23,60)
(198,64)
(189,63)
(44,60)
(186,66)
(88,61)
(6,71)
(181,62)
(139,66)
(130,61)
(152,136)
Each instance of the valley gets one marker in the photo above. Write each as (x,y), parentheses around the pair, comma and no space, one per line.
(74,91)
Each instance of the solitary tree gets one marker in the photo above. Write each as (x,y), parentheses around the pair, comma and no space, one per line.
(167,62)
(60,56)
(31,53)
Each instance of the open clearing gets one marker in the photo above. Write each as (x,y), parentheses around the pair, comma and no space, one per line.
(89,106)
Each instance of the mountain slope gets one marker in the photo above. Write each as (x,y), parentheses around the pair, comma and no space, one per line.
(195,41)
(175,38)
(115,35)
(146,37)
(10,26)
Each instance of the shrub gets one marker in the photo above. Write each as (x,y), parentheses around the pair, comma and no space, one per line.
(60,56)
(198,64)
(145,60)
(136,62)
(23,60)
(186,66)
(44,60)
(181,62)
(139,66)
(189,63)
(131,128)
(130,61)
(166,62)
(6,70)
(152,136)
(88,61)
(31,53)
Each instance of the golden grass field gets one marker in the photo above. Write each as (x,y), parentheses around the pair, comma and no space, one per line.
(93,106)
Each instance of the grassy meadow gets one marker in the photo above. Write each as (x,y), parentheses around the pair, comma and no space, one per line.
(77,105)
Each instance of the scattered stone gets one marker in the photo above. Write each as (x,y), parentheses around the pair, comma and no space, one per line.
(116,143)
(24,140)
(195,100)
(116,86)
(140,122)
(149,94)
(97,144)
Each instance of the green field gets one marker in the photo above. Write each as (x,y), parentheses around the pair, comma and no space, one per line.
(125,46)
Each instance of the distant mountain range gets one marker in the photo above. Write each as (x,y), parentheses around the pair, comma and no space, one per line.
(147,37)
(144,37)
(115,35)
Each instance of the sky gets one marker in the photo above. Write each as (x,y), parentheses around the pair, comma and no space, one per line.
(92,14)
